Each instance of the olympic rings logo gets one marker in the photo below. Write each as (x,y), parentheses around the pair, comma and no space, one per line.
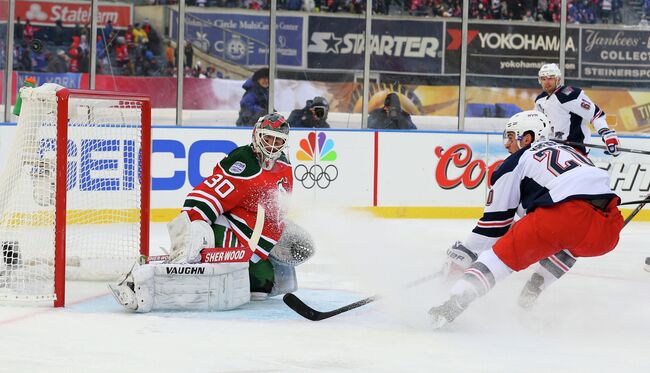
(315,175)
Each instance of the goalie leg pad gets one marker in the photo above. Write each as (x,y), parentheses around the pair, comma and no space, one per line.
(198,287)
(285,278)
(295,246)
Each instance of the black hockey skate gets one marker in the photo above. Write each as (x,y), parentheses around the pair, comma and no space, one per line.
(531,291)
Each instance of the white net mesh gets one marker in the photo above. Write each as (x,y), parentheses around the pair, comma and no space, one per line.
(103,193)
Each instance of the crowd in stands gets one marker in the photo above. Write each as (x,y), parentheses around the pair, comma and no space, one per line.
(579,11)
(138,50)
(59,49)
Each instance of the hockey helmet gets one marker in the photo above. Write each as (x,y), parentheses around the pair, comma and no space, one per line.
(529,120)
(270,135)
(548,70)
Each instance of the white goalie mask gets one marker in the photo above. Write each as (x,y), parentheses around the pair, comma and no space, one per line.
(270,135)
(529,120)
(550,70)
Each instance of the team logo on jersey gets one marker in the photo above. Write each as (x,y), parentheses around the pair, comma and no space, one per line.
(318,151)
(237,167)
(567,90)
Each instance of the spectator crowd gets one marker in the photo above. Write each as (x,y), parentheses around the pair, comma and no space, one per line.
(60,49)
(579,11)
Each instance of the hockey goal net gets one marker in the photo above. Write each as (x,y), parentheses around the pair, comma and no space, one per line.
(74,191)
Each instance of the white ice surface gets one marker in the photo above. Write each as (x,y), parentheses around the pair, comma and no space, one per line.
(595,319)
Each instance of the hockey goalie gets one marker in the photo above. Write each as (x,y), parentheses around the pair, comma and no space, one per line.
(232,242)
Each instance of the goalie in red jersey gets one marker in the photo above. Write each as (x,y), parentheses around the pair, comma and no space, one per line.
(222,212)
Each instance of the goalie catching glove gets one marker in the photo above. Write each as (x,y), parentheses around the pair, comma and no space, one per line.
(188,238)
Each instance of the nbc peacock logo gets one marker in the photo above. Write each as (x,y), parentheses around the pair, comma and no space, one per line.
(316,149)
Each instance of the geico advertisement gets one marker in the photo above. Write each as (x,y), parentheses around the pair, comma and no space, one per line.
(333,168)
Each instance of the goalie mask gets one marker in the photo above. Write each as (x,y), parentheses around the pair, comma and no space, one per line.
(270,135)
(530,120)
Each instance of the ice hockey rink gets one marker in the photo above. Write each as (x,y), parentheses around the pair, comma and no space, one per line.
(595,319)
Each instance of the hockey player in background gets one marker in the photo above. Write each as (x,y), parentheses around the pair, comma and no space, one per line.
(570,111)
(221,212)
(569,207)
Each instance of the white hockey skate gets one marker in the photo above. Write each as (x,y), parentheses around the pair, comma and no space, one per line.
(448,311)
(531,291)
(124,295)
(124,292)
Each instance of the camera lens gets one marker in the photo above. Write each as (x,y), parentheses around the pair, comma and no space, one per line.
(36,46)
(319,111)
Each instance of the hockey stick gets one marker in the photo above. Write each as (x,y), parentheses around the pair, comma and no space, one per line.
(643,201)
(309,313)
(597,146)
(636,210)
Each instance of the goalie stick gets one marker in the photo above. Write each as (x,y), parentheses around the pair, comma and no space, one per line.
(309,313)
(297,305)
(597,146)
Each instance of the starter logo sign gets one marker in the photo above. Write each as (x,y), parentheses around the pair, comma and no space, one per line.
(394,46)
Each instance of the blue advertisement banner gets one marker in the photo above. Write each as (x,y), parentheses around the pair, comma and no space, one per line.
(68,80)
(615,54)
(397,45)
(243,39)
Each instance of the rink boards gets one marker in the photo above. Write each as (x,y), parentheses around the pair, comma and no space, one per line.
(411,174)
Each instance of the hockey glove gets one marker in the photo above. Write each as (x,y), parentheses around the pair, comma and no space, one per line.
(611,141)
(459,258)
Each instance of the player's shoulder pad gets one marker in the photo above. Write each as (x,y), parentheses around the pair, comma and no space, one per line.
(567,93)
(541,95)
(241,162)
(508,165)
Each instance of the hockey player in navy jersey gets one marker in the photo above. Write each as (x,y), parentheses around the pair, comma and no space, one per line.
(569,206)
(570,111)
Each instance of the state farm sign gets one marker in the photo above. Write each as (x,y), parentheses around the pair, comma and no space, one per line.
(47,13)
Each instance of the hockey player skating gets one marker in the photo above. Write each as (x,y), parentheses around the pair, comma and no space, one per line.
(570,111)
(222,212)
(569,207)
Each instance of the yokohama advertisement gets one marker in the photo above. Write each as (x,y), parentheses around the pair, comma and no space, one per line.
(46,13)
(397,46)
(509,50)
(615,54)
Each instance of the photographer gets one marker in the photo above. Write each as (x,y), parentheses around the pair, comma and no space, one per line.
(391,116)
(313,115)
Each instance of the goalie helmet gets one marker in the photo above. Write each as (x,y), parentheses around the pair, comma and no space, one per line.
(549,70)
(270,135)
(529,120)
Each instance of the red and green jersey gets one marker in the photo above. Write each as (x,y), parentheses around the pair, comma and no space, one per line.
(235,188)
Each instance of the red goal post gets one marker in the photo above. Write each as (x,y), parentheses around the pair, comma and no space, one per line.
(74,201)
